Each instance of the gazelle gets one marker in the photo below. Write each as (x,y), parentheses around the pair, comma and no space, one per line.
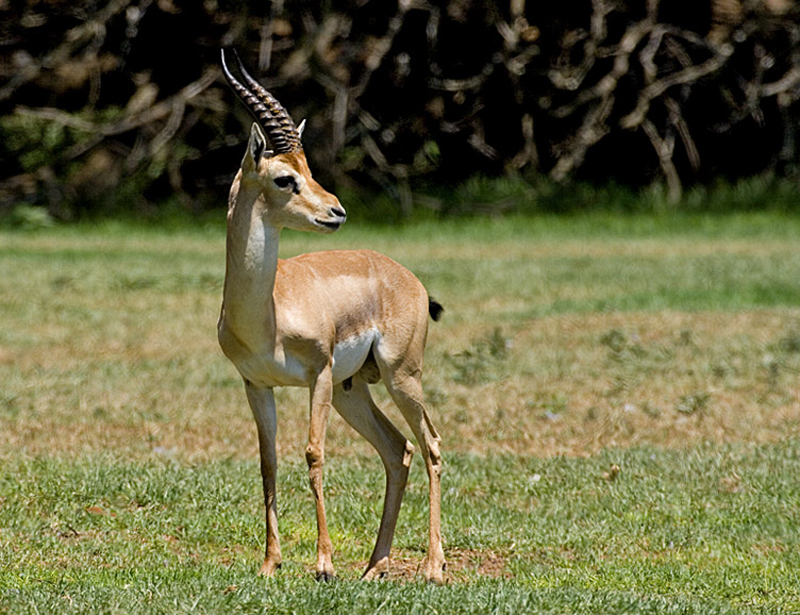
(331,321)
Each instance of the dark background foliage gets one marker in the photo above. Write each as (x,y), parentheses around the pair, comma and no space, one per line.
(119,105)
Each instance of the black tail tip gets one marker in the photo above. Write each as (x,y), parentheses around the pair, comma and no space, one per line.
(435,309)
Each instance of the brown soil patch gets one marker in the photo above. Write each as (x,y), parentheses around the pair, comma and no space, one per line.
(461,565)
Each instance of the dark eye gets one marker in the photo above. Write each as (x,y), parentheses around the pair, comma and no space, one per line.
(285,181)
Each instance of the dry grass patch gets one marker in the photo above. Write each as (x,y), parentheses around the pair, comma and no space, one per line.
(560,385)
(575,384)
(559,344)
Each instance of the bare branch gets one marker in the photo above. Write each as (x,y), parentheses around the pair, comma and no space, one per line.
(657,88)
(130,122)
(789,81)
(664,148)
(593,129)
(677,120)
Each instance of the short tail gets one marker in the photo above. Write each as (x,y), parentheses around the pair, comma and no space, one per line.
(435,309)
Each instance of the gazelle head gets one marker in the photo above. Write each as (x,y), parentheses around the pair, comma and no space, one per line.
(289,195)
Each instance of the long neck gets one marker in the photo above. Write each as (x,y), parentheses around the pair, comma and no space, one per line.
(251,267)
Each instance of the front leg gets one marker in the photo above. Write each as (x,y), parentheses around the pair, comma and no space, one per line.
(262,404)
(321,396)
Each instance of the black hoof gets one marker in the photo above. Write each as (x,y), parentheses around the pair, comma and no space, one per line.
(326,577)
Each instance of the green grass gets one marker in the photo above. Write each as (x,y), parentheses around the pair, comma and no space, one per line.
(666,345)
(712,531)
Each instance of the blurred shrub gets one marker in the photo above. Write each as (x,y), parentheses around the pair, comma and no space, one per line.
(118,105)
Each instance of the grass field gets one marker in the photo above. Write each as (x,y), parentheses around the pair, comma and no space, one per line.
(619,399)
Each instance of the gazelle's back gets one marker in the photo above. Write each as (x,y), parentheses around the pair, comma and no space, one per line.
(355,288)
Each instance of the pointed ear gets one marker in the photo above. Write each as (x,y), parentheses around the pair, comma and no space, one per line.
(256,147)
(300,128)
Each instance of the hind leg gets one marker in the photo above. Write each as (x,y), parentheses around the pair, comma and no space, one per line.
(406,392)
(357,408)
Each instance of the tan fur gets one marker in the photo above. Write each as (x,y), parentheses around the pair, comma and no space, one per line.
(332,322)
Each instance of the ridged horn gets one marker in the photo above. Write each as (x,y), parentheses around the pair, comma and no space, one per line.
(269,113)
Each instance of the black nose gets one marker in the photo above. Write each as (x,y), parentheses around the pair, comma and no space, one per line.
(338,212)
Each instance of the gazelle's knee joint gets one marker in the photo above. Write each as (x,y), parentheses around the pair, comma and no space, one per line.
(408,454)
(433,450)
(314,456)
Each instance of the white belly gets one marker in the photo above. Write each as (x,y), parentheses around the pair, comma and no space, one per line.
(349,354)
